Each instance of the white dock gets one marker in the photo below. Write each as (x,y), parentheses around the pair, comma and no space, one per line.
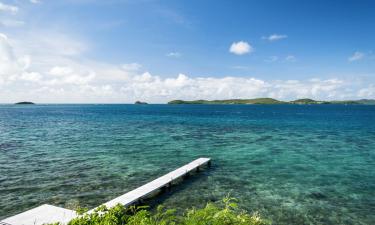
(43,214)
(51,214)
(155,185)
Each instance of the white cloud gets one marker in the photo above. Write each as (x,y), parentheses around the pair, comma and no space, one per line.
(356,56)
(290,58)
(28,72)
(8,8)
(15,68)
(275,37)
(240,48)
(33,77)
(367,92)
(174,54)
(60,70)
(132,67)
(10,65)
(35,1)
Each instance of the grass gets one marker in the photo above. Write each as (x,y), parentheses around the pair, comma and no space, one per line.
(225,212)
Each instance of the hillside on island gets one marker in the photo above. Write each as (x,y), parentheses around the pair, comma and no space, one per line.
(230,101)
(271,101)
(307,101)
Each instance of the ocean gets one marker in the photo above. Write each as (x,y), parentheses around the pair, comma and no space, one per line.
(293,164)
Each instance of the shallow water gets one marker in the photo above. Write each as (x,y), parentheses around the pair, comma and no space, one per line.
(292,164)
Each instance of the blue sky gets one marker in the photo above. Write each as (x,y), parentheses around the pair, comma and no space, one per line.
(122,51)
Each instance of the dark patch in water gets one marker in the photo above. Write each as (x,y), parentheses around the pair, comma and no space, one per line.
(177,138)
(276,150)
(317,195)
(257,162)
(264,138)
(9,146)
(213,199)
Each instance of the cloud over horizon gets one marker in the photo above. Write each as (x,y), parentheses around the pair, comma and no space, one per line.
(92,81)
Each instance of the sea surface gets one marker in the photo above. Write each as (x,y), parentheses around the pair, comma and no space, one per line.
(292,164)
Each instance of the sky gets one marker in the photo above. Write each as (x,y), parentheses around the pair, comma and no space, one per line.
(121,51)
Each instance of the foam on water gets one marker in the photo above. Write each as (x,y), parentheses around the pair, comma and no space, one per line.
(293,164)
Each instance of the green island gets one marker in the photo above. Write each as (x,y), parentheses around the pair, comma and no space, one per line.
(140,103)
(272,101)
(225,212)
(25,103)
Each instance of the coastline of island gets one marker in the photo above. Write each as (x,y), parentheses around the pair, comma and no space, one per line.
(272,101)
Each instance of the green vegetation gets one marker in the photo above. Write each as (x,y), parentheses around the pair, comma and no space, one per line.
(231,101)
(306,101)
(355,102)
(140,103)
(25,103)
(224,213)
(366,101)
(271,101)
(348,102)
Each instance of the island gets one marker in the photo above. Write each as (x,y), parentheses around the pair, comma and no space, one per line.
(272,101)
(140,103)
(25,103)
(231,101)
(307,101)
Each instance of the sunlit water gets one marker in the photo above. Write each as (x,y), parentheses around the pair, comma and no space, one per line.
(292,164)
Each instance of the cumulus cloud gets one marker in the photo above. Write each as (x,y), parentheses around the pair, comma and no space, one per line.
(356,56)
(275,37)
(241,48)
(10,64)
(8,8)
(367,92)
(60,70)
(45,77)
(174,54)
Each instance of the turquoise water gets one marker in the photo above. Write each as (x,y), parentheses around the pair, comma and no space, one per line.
(292,164)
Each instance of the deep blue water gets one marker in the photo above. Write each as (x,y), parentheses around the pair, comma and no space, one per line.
(292,164)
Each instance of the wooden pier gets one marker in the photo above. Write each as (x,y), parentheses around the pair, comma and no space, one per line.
(165,181)
(45,214)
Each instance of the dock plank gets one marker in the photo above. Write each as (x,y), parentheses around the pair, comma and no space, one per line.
(141,192)
(44,214)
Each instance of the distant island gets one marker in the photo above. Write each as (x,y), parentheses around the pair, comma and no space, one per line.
(271,101)
(25,103)
(140,103)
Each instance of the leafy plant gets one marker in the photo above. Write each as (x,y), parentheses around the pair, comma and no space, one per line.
(225,212)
